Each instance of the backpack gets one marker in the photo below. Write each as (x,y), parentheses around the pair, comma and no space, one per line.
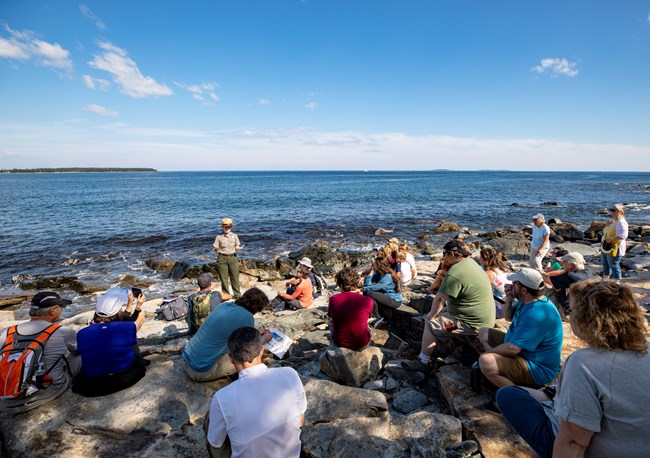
(174,308)
(318,282)
(21,365)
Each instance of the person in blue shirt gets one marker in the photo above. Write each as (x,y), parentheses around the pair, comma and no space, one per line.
(383,287)
(530,352)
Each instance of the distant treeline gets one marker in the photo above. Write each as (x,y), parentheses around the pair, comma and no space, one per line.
(77,169)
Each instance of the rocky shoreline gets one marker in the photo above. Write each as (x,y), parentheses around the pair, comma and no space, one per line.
(397,413)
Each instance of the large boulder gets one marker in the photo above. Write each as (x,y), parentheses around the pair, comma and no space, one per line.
(160,265)
(512,245)
(421,434)
(636,263)
(448,226)
(567,231)
(407,400)
(349,367)
(328,401)
(595,230)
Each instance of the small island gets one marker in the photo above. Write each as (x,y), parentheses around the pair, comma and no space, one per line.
(79,170)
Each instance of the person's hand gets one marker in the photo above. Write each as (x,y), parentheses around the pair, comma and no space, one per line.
(239,247)
(266,337)
(141,300)
(508,291)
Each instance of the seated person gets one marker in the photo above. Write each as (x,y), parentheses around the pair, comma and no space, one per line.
(529,353)
(114,299)
(467,292)
(599,409)
(404,269)
(404,248)
(261,413)
(204,356)
(555,262)
(295,280)
(59,357)
(298,296)
(110,356)
(493,263)
(383,288)
(573,271)
(204,301)
(390,250)
(349,312)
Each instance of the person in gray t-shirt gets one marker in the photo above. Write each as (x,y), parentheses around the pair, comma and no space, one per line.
(599,409)
(60,351)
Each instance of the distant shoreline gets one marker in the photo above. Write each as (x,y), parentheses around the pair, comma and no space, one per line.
(79,170)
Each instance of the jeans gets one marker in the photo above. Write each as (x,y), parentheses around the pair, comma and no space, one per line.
(611,265)
(526,415)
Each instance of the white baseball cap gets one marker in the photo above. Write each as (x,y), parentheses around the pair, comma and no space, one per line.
(111,301)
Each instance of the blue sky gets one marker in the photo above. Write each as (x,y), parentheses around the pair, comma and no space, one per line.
(325,85)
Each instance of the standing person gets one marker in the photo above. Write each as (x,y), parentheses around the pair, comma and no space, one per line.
(599,410)
(227,245)
(349,312)
(614,234)
(261,413)
(60,354)
(539,243)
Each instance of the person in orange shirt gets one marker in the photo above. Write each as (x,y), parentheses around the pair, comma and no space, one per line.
(298,297)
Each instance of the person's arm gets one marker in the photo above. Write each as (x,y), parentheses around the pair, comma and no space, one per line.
(217,431)
(300,290)
(490,275)
(216,245)
(544,243)
(238,246)
(138,309)
(571,441)
(505,349)
(383,283)
(621,232)
(438,303)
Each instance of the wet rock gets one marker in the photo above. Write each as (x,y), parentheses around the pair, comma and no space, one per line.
(179,270)
(349,367)
(448,226)
(512,245)
(407,400)
(515,204)
(421,434)
(642,230)
(554,221)
(70,262)
(160,265)
(550,204)
(567,231)
(83,288)
(8,300)
(595,230)
(382,231)
(44,283)
(127,281)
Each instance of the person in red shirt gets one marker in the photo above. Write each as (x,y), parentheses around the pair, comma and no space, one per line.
(349,312)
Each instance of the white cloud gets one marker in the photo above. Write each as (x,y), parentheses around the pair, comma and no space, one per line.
(7,153)
(23,45)
(556,67)
(311,105)
(126,74)
(202,91)
(86,11)
(96,83)
(264,102)
(100,110)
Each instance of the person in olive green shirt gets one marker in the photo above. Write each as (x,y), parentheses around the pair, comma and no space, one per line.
(467,292)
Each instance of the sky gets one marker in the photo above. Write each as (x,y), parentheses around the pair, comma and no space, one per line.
(326,84)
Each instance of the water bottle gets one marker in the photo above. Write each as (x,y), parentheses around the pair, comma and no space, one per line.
(475,378)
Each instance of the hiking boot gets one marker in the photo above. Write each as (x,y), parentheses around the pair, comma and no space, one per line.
(377,323)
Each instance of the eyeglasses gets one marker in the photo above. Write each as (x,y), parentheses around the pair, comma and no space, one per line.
(613,209)
(227,226)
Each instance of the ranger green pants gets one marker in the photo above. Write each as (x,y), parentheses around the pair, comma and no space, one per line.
(228,268)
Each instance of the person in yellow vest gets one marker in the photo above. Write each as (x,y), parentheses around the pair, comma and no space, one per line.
(613,248)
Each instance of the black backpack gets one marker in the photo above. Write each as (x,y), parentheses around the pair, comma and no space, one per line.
(174,308)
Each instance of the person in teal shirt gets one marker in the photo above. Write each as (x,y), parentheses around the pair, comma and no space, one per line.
(530,352)
(205,355)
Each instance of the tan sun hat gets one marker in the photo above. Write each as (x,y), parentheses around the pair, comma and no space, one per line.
(226,222)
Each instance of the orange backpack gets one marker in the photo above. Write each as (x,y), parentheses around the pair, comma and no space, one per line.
(21,365)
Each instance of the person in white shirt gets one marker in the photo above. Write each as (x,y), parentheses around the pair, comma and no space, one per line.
(260,414)
(403,247)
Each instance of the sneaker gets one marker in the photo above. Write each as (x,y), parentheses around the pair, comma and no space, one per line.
(378,322)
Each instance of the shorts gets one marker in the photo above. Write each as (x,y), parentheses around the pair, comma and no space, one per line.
(221,368)
(437,327)
(511,367)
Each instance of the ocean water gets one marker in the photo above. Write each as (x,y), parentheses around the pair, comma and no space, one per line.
(107,224)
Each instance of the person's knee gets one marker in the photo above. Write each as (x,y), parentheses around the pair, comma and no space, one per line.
(488,364)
